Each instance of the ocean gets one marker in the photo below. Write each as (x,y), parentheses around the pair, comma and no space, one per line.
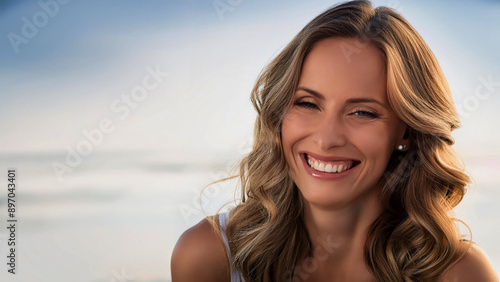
(118,215)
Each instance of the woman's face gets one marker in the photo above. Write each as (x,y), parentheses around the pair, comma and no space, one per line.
(340,132)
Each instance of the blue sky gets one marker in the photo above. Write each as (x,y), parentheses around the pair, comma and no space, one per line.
(89,53)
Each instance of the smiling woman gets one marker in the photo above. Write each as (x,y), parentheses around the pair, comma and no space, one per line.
(352,176)
(341,131)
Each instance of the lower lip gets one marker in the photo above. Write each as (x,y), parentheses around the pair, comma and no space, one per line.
(326,175)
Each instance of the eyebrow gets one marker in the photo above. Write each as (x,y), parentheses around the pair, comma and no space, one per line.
(349,101)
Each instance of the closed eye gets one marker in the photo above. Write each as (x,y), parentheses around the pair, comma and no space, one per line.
(307,105)
(366,114)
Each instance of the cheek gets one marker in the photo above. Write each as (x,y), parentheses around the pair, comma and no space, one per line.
(293,129)
(375,142)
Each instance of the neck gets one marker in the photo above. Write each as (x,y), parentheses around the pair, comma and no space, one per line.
(338,235)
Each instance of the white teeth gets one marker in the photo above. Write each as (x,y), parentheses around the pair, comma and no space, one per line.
(321,167)
(328,167)
(334,169)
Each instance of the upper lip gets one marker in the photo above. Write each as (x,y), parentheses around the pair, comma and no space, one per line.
(327,158)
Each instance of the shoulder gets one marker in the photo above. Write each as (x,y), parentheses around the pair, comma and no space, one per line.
(199,255)
(474,265)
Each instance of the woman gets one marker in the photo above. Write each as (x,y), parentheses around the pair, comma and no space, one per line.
(352,176)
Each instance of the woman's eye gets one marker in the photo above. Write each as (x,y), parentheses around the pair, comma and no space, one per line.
(304,104)
(366,114)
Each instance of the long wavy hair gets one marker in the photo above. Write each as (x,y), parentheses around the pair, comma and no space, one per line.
(415,238)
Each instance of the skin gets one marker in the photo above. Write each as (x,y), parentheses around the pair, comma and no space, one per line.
(338,212)
(341,210)
(199,256)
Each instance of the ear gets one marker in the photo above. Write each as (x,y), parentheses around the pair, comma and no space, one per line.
(403,142)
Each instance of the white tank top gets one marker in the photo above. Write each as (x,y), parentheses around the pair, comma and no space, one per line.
(235,275)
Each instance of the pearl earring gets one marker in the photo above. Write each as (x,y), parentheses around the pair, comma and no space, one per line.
(401,147)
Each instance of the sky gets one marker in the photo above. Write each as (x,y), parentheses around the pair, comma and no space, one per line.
(156,94)
(86,55)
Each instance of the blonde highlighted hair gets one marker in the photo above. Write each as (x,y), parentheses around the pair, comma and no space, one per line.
(414,239)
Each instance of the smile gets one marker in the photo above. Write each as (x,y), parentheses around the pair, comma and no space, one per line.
(321,167)
(329,166)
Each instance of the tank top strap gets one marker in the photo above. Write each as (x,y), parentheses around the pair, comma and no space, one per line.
(235,275)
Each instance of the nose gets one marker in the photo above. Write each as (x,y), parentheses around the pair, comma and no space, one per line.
(330,133)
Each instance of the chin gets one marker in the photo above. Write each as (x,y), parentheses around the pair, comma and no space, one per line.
(337,196)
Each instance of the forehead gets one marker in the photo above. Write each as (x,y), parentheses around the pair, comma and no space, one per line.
(345,67)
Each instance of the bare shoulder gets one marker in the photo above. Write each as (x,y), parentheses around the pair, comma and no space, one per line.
(199,255)
(474,265)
